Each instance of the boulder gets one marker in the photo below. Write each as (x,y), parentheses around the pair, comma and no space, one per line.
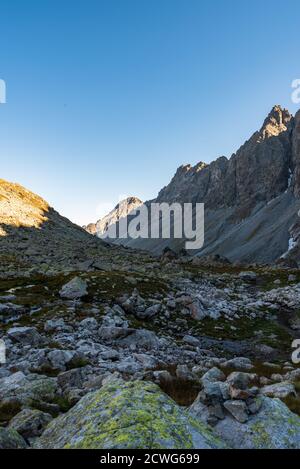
(130,415)
(239,363)
(273,427)
(60,359)
(75,289)
(249,276)
(10,439)
(280,390)
(53,325)
(237,409)
(240,380)
(213,375)
(30,422)
(25,336)
(141,338)
(28,389)
(148,312)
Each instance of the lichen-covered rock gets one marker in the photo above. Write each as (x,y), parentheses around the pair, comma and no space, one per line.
(10,439)
(30,422)
(135,414)
(273,427)
(28,389)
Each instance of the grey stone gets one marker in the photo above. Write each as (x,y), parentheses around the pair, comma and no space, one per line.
(60,359)
(280,390)
(148,312)
(239,363)
(74,289)
(213,375)
(28,389)
(273,427)
(25,336)
(240,380)
(30,422)
(10,439)
(248,276)
(237,409)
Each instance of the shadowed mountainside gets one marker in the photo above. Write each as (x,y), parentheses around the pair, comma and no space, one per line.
(33,234)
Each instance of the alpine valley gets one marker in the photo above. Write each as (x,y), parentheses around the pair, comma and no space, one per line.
(106,345)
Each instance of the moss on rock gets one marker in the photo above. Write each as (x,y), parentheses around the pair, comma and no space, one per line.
(127,415)
(273,427)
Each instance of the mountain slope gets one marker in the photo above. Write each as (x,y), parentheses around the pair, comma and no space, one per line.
(34,234)
(251,200)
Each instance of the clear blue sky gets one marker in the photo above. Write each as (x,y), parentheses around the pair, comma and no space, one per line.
(109,97)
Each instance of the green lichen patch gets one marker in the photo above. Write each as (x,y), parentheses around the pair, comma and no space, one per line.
(128,415)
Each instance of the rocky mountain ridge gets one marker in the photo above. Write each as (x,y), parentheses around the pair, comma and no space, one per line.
(35,236)
(121,210)
(110,347)
(251,200)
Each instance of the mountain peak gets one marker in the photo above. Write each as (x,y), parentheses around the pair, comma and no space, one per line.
(121,210)
(276,122)
(130,201)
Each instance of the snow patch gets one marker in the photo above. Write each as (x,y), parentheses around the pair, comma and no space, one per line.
(291,245)
(290,177)
(289,180)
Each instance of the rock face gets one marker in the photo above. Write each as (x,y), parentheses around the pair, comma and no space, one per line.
(121,210)
(258,172)
(251,200)
(127,416)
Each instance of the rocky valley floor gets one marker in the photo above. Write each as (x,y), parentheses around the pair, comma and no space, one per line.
(130,350)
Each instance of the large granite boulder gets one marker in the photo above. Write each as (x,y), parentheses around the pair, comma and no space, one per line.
(123,415)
